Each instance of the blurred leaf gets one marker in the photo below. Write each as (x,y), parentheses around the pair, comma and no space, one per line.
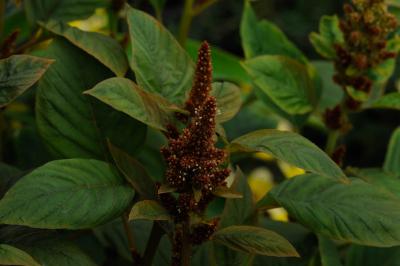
(284,80)
(72,124)
(356,211)
(149,210)
(227,193)
(160,64)
(289,147)
(103,48)
(392,159)
(229,100)
(10,255)
(58,253)
(124,95)
(226,66)
(329,35)
(255,240)
(332,93)
(63,10)
(134,172)
(388,101)
(18,73)
(8,176)
(70,194)
(372,256)
(328,251)
(158,6)
(264,38)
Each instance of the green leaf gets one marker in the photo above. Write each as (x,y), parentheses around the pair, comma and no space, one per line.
(8,176)
(371,256)
(70,194)
(63,10)
(134,172)
(332,93)
(229,100)
(74,125)
(10,255)
(289,147)
(379,178)
(160,64)
(328,251)
(227,193)
(255,240)
(149,210)
(124,95)
(103,48)
(284,80)
(329,35)
(158,6)
(388,101)
(356,211)
(264,38)
(392,159)
(56,252)
(226,66)
(18,73)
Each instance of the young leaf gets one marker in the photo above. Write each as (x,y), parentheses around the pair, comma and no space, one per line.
(284,80)
(69,194)
(227,193)
(356,211)
(103,48)
(392,159)
(134,172)
(264,38)
(255,240)
(149,210)
(226,66)
(74,125)
(160,64)
(328,251)
(388,101)
(58,252)
(289,147)
(124,95)
(42,10)
(10,255)
(18,73)
(229,100)
(329,35)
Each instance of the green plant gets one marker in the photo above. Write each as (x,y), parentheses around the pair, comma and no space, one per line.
(143,146)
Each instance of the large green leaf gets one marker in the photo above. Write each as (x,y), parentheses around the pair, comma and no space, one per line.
(74,125)
(371,256)
(226,66)
(229,100)
(255,240)
(379,178)
(284,80)
(356,211)
(103,48)
(392,159)
(57,252)
(124,95)
(264,38)
(329,35)
(134,172)
(388,101)
(63,10)
(160,64)
(149,210)
(289,147)
(18,73)
(328,252)
(10,255)
(72,194)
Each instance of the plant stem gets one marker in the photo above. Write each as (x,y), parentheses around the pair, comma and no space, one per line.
(186,20)
(2,15)
(200,8)
(186,245)
(131,241)
(155,236)
(333,136)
